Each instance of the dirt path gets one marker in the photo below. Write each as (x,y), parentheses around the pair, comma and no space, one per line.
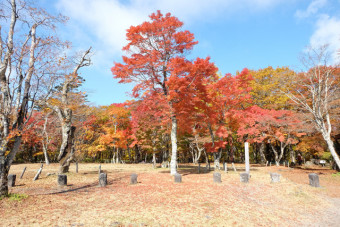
(157,201)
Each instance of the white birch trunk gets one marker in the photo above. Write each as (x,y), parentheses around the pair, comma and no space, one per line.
(246,150)
(173,163)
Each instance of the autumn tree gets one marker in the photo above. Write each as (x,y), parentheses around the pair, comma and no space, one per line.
(156,63)
(318,89)
(150,121)
(62,102)
(268,84)
(229,100)
(27,49)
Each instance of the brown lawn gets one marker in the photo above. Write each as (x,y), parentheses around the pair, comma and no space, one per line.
(157,201)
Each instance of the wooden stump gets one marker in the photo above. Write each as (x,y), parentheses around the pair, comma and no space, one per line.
(133,178)
(62,180)
(244,177)
(217,178)
(102,179)
(11,180)
(275,177)
(314,180)
(178,178)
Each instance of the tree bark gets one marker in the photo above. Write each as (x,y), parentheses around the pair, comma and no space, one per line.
(261,150)
(217,157)
(331,148)
(3,177)
(154,159)
(292,154)
(67,154)
(173,163)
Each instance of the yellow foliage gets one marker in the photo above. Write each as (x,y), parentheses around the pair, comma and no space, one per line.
(269,86)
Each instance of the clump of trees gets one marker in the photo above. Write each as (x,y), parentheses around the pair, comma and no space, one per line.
(32,70)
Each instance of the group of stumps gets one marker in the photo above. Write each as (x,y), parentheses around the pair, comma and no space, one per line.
(244,177)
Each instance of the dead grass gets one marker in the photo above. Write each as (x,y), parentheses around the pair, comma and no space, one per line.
(157,201)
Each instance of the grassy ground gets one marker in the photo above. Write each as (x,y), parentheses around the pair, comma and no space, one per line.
(157,201)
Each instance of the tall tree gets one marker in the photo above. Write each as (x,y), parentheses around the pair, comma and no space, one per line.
(26,48)
(156,63)
(61,104)
(319,87)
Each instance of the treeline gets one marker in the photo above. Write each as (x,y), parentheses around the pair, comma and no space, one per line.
(139,131)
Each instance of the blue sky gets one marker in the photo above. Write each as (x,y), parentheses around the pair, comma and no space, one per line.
(234,33)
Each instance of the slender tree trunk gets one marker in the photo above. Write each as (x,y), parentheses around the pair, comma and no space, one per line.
(173,163)
(292,154)
(276,155)
(117,156)
(47,158)
(217,157)
(206,157)
(192,152)
(154,159)
(263,157)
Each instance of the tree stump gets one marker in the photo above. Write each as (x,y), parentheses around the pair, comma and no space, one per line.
(178,178)
(217,178)
(314,180)
(11,180)
(275,177)
(102,179)
(244,177)
(62,180)
(133,178)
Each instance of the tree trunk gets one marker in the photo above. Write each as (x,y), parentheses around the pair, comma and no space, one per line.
(173,163)
(217,157)
(263,157)
(206,157)
(192,152)
(67,149)
(276,155)
(154,159)
(331,148)
(3,176)
(282,150)
(47,158)
(292,154)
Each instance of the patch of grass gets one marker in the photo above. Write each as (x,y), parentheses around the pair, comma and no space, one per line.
(14,197)
(336,174)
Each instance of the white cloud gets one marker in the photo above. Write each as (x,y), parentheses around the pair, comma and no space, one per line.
(327,32)
(106,21)
(313,8)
